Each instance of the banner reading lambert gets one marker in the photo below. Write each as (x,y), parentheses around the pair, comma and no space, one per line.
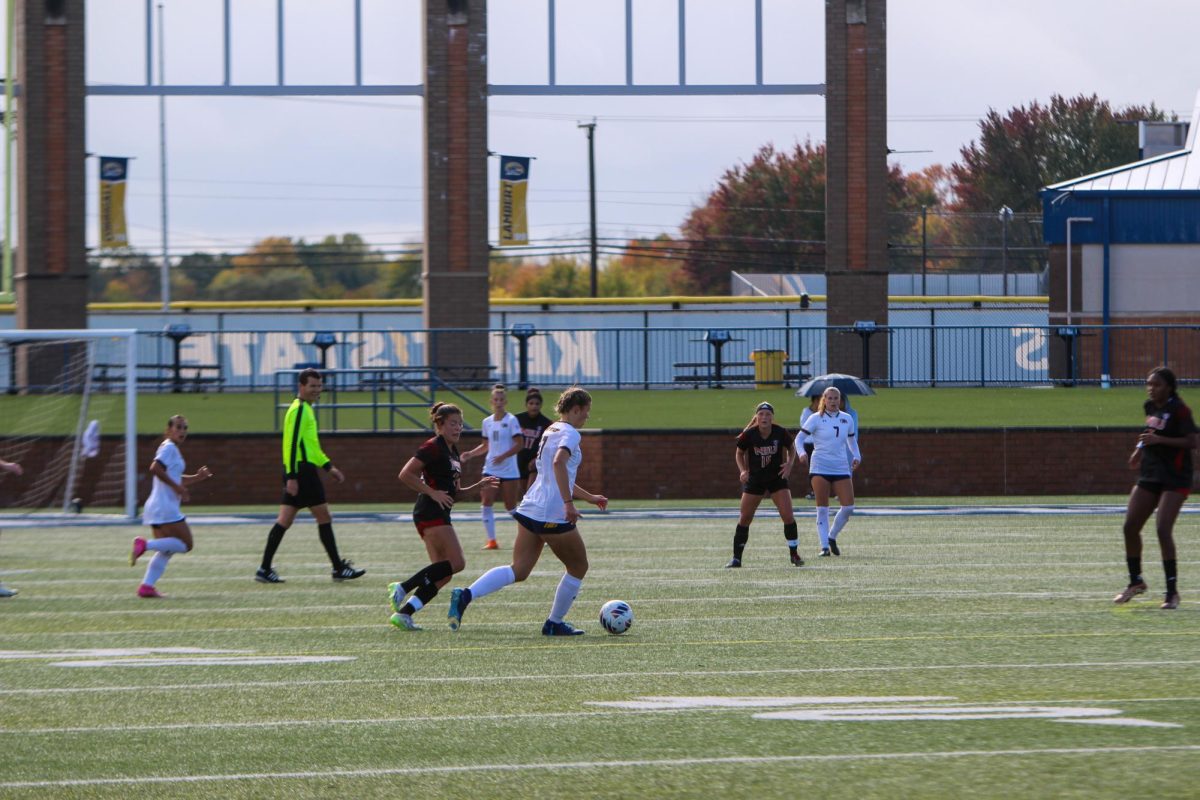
(514,182)
(112,202)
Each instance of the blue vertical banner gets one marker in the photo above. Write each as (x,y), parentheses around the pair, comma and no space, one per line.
(514,186)
(113,231)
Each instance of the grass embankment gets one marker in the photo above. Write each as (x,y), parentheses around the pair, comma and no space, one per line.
(661,409)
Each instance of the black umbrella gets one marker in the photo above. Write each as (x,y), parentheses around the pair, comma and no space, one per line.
(846,384)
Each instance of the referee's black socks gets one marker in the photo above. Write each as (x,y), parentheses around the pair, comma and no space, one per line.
(273,540)
(325,529)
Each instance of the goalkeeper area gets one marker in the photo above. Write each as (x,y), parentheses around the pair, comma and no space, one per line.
(70,420)
(965,654)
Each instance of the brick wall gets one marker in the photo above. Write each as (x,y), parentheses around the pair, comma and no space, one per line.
(673,465)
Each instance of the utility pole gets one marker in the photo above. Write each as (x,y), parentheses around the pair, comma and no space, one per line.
(1005,214)
(591,134)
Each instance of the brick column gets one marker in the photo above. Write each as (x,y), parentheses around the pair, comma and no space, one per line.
(50,270)
(856,179)
(455,273)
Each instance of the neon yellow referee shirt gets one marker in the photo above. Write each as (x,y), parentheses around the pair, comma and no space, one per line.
(300,442)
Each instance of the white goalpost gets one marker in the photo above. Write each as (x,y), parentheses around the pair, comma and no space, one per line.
(68,415)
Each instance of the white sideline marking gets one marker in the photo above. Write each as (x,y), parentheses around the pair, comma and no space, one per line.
(861,709)
(104,652)
(401,679)
(605,765)
(234,661)
(539,715)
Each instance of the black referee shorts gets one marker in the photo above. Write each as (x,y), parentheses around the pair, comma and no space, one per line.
(312,488)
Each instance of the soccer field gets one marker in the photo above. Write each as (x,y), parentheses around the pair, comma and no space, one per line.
(943,655)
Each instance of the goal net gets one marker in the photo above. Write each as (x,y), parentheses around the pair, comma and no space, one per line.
(68,410)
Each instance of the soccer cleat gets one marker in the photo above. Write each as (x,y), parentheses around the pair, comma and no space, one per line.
(139,547)
(1131,591)
(824,553)
(491,544)
(456,608)
(7,592)
(564,628)
(797,561)
(147,591)
(1171,600)
(833,548)
(405,621)
(734,563)
(347,572)
(268,576)
(396,593)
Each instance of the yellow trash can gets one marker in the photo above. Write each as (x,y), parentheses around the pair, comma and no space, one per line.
(768,368)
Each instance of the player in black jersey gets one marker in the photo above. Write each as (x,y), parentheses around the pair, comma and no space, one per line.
(765,454)
(1163,458)
(433,474)
(533,424)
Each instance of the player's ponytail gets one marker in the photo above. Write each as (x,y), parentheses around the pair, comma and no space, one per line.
(571,398)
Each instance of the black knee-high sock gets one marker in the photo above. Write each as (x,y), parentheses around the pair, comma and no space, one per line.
(273,540)
(325,529)
(426,583)
(1135,568)
(1169,567)
(741,535)
(790,534)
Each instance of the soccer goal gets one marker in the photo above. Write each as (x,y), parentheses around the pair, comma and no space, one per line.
(68,416)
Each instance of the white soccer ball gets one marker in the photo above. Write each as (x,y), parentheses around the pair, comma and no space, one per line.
(616,616)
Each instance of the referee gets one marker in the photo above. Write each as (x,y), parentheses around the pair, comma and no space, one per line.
(302,486)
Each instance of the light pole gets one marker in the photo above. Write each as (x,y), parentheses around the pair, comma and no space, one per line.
(162,166)
(1071,220)
(1006,214)
(591,134)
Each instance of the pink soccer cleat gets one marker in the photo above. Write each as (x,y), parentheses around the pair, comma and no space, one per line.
(148,591)
(139,547)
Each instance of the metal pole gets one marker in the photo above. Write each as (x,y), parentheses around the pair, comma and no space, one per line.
(591,136)
(1005,215)
(924,249)
(6,281)
(162,166)
(1069,221)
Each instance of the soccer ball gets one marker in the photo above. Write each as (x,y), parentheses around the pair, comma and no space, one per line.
(616,616)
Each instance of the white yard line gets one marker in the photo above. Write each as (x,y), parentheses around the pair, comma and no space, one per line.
(402,679)
(607,765)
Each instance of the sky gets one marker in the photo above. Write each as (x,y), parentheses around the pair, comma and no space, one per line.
(240,169)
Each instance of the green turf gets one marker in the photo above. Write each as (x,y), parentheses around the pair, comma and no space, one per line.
(1001,612)
(706,408)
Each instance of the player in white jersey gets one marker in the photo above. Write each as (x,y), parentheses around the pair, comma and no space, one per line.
(547,516)
(162,512)
(835,444)
(502,440)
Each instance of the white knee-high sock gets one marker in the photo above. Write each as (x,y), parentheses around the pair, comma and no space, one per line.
(157,566)
(568,590)
(168,545)
(489,522)
(823,525)
(493,580)
(839,522)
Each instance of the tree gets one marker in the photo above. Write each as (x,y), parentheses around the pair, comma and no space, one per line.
(1028,148)
(271,270)
(399,278)
(765,216)
(341,267)
(200,268)
(647,268)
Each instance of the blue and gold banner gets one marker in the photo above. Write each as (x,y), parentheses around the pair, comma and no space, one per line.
(112,202)
(514,184)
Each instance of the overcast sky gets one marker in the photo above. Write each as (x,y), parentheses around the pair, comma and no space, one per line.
(243,168)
